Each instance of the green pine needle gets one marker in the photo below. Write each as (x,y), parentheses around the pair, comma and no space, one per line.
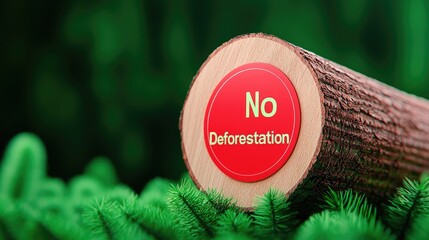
(99,218)
(235,225)
(96,206)
(155,221)
(80,192)
(120,193)
(25,222)
(49,197)
(120,215)
(7,209)
(409,203)
(341,225)
(54,226)
(84,187)
(349,201)
(273,215)
(23,166)
(419,229)
(101,168)
(221,203)
(105,220)
(196,217)
(186,177)
(155,193)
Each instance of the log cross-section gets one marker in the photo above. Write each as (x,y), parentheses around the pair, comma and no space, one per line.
(356,133)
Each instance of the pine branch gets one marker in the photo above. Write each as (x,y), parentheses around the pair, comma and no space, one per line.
(234,225)
(100,219)
(341,225)
(120,193)
(14,221)
(123,217)
(85,187)
(6,214)
(196,217)
(273,215)
(105,219)
(419,229)
(5,233)
(35,228)
(187,178)
(94,205)
(23,166)
(221,203)
(49,197)
(104,216)
(155,193)
(152,220)
(409,203)
(81,191)
(101,168)
(349,201)
(52,226)
(19,220)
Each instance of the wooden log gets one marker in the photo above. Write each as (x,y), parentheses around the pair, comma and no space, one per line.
(355,132)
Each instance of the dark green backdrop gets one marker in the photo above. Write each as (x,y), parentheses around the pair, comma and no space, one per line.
(110,77)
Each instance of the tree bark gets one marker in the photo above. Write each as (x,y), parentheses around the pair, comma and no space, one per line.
(370,135)
(373,137)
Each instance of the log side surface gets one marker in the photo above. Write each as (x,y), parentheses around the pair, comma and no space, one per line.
(373,135)
(356,133)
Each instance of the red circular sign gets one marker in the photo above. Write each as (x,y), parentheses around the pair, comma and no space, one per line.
(252,122)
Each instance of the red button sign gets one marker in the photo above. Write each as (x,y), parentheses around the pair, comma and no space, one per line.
(252,122)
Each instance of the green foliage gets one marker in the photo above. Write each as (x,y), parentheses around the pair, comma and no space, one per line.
(152,220)
(341,225)
(102,169)
(155,193)
(419,229)
(103,219)
(235,225)
(49,197)
(196,216)
(219,202)
(347,215)
(23,166)
(409,207)
(7,211)
(349,201)
(273,215)
(95,205)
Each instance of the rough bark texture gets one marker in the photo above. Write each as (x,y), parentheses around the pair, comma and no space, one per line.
(373,135)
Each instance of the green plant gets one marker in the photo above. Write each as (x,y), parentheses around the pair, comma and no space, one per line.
(273,215)
(95,205)
(409,209)
(347,215)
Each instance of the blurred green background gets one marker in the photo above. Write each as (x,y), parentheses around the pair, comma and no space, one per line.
(110,77)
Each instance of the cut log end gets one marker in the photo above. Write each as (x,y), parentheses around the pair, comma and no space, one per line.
(355,132)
